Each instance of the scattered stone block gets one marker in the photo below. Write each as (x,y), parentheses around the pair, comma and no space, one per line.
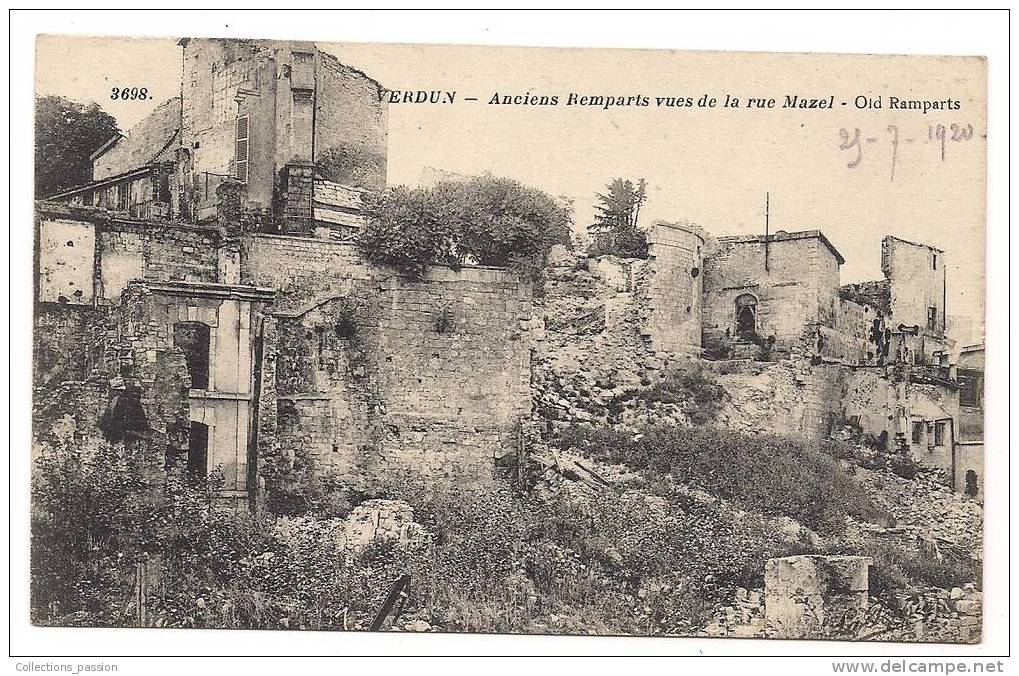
(802,592)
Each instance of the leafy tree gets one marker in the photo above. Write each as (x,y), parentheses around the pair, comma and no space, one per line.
(615,228)
(483,220)
(66,133)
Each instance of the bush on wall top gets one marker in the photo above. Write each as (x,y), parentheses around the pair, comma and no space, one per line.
(482,220)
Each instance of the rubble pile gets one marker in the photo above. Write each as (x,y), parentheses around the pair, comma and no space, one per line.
(925,508)
(592,363)
(966,604)
(742,617)
(391,520)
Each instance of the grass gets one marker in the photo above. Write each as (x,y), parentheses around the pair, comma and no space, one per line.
(768,474)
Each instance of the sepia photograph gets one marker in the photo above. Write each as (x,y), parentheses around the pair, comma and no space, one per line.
(436,338)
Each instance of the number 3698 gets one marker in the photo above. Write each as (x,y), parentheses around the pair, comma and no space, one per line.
(129,93)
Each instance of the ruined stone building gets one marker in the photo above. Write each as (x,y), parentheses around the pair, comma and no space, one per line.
(797,351)
(879,355)
(201,301)
(214,314)
(258,114)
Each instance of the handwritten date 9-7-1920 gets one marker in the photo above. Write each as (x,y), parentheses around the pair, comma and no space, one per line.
(939,136)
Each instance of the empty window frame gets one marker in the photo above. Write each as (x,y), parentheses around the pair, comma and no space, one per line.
(939,433)
(972,486)
(917,432)
(198,451)
(193,339)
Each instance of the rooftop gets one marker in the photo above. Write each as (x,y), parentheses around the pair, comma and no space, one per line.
(783,236)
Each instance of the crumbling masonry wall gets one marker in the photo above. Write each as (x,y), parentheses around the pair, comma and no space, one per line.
(886,405)
(360,369)
(916,277)
(351,123)
(131,250)
(376,373)
(130,401)
(669,288)
(787,397)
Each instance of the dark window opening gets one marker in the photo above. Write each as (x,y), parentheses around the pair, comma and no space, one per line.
(917,433)
(193,339)
(124,416)
(932,318)
(882,439)
(971,483)
(746,315)
(939,433)
(934,261)
(971,388)
(164,188)
(198,451)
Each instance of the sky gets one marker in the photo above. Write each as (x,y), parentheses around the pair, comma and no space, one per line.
(709,166)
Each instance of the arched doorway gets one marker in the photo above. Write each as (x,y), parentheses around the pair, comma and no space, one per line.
(746,315)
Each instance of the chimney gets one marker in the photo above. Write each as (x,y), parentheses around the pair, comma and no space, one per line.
(297,183)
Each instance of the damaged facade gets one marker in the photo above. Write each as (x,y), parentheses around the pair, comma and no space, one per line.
(299,133)
(873,354)
(224,324)
(289,350)
(795,350)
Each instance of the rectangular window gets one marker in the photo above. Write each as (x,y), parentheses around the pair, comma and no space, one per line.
(939,433)
(932,318)
(193,340)
(198,451)
(971,388)
(163,194)
(934,261)
(241,149)
(917,433)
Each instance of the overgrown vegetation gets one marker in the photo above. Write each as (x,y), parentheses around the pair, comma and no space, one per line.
(498,561)
(481,220)
(701,394)
(763,473)
(650,557)
(875,455)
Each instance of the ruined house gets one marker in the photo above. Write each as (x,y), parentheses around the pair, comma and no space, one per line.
(874,354)
(235,329)
(299,132)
